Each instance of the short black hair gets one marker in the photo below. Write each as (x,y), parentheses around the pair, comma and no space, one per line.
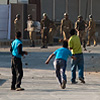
(65,43)
(73,32)
(18,34)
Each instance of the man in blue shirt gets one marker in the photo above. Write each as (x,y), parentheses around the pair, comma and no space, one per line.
(17,53)
(61,56)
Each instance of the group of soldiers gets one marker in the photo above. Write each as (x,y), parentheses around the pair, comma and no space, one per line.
(82,27)
(48,29)
(30,28)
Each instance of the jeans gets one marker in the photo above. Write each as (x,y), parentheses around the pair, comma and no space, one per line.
(17,72)
(60,68)
(80,63)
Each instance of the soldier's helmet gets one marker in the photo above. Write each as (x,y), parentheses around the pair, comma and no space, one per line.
(80,16)
(17,16)
(44,14)
(29,15)
(65,14)
(90,16)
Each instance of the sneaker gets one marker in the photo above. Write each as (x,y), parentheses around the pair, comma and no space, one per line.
(20,89)
(74,82)
(64,84)
(82,80)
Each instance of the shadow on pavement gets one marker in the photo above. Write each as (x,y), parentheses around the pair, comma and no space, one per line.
(2,81)
(36,60)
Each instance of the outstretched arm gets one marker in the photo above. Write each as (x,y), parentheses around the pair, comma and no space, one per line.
(49,58)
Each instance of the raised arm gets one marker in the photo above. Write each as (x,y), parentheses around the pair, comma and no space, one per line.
(49,58)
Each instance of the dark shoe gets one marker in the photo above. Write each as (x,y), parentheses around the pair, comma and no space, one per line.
(32,45)
(44,47)
(12,88)
(74,82)
(82,80)
(64,84)
(20,89)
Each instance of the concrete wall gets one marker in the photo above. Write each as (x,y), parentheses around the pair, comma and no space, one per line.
(3,1)
(4,10)
(60,9)
(13,1)
(47,7)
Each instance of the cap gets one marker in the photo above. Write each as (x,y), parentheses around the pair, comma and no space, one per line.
(29,15)
(17,15)
(79,16)
(44,14)
(90,16)
(65,14)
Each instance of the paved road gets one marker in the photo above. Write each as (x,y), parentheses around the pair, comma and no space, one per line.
(39,79)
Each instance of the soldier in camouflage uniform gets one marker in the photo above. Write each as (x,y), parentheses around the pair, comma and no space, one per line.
(66,26)
(17,23)
(31,29)
(80,25)
(91,32)
(45,26)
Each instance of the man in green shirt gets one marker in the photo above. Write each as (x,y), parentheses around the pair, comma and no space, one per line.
(75,47)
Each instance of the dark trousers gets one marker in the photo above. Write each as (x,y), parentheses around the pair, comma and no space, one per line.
(45,37)
(17,72)
(60,68)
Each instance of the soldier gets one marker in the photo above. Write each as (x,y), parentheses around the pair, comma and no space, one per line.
(91,32)
(16,23)
(45,25)
(66,26)
(31,29)
(80,25)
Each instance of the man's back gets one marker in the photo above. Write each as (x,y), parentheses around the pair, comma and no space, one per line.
(74,43)
(62,53)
